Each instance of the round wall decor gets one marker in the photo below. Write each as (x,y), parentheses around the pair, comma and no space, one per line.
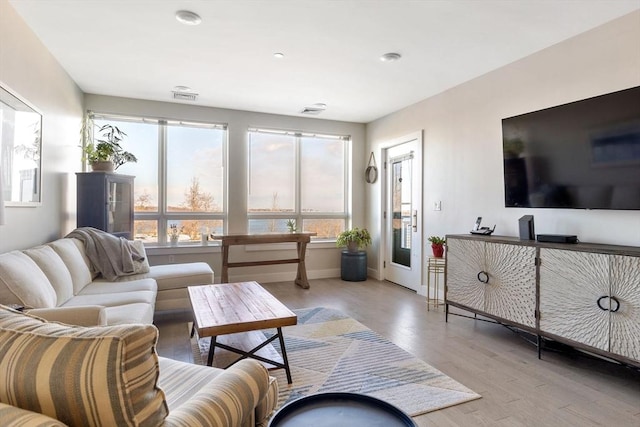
(371,173)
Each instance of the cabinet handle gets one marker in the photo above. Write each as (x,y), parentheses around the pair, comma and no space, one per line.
(483,277)
(617,304)
(601,307)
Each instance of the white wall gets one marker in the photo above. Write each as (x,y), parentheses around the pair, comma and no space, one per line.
(463,137)
(28,69)
(323,260)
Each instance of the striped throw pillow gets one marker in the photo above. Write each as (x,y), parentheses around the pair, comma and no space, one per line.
(100,376)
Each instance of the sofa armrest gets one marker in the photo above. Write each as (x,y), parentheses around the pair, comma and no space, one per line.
(87,315)
(12,416)
(229,399)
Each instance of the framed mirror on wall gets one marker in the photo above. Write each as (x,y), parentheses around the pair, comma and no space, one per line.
(20,151)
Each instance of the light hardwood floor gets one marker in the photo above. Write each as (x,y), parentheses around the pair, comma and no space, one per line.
(561,389)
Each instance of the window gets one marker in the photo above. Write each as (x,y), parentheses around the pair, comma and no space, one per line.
(297,176)
(179,176)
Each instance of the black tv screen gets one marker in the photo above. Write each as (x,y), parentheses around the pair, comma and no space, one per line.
(583,155)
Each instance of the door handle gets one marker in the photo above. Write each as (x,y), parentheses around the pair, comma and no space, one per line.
(414,220)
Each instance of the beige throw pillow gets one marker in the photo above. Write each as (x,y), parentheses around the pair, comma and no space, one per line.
(22,282)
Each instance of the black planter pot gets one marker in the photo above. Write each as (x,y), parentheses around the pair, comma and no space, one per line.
(353,266)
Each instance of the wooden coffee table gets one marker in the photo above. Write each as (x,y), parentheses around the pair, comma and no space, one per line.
(230,308)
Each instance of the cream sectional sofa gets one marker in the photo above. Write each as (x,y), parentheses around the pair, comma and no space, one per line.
(57,282)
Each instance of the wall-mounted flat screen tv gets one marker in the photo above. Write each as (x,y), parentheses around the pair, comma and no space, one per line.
(583,155)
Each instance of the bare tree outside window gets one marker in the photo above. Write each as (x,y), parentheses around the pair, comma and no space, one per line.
(196,200)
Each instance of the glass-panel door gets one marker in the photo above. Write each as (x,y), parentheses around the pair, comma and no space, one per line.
(401,208)
(403,254)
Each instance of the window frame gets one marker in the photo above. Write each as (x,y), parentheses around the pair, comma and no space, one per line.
(163,217)
(298,215)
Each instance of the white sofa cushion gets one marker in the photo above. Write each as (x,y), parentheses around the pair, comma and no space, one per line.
(22,282)
(113,299)
(55,269)
(103,287)
(174,276)
(71,252)
(130,313)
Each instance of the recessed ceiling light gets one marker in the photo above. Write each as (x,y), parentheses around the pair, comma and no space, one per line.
(390,57)
(278,55)
(188,18)
(182,89)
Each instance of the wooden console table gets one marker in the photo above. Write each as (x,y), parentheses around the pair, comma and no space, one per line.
(301,240)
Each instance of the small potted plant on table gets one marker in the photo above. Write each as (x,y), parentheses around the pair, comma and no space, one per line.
(437,246)
(291,225)
(174,234)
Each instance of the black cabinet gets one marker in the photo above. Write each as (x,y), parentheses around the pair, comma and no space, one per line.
(105,201)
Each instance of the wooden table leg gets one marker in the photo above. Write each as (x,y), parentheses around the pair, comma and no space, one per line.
(301,275)
(225,264)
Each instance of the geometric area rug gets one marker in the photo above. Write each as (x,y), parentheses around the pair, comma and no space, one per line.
(329,351)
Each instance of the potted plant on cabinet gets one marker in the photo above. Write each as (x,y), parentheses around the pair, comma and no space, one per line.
(354,239)
(437,246)
(354,262)
(105,153)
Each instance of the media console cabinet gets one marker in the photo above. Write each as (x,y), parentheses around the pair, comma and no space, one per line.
(584,295)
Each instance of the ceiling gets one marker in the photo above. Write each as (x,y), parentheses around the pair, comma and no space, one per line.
(138,49)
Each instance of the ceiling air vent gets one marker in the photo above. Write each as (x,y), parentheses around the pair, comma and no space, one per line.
(314,109)
(185,96)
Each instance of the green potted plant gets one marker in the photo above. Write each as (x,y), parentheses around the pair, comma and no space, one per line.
(354,239)
(291,225)
(437,246)
(106,153)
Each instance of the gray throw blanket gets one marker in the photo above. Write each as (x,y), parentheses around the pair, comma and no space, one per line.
(110,255)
